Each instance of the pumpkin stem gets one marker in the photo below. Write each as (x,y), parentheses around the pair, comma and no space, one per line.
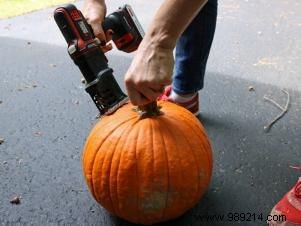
(149,110)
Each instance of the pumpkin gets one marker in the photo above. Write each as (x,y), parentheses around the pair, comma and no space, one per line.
(148,169)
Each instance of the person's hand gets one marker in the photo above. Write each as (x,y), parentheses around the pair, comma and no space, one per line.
(95,11)
(150,71)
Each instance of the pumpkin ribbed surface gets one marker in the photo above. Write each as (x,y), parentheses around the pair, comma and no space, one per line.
(148,170)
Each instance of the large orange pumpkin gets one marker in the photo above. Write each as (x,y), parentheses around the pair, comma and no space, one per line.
(148,170)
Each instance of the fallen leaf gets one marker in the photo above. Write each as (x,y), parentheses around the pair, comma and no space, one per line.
(16,200)
(38,133)
(251,88)
(265,61)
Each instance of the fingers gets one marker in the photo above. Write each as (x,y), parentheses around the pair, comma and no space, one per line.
(104,37)
(106,47)
(97,29)
(99,33)
(157,87)
(150,71)
(109,34)
(94,12)
(142,93)
(149,93)
(139,98)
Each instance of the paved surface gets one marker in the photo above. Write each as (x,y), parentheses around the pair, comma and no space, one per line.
(45,116)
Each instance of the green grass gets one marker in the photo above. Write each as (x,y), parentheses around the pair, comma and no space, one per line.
(10,8)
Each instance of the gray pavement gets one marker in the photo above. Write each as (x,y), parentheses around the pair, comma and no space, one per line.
(45,116)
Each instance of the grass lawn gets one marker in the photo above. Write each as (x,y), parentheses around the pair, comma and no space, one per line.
(10,8)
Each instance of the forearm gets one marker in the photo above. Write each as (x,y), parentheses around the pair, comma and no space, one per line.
(171,20)
(95,12)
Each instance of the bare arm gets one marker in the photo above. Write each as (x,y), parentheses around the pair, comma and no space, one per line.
(171,20)
(152,67)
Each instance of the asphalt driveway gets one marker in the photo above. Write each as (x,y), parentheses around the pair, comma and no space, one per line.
(45,116)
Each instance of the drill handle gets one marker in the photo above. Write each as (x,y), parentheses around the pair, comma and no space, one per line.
(73,25)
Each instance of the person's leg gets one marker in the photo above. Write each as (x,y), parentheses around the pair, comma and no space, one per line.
(192,51)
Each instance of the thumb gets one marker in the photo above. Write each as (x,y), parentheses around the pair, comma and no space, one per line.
(98,32)
(95,15)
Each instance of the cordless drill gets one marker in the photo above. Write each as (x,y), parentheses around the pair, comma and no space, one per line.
(84,49)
